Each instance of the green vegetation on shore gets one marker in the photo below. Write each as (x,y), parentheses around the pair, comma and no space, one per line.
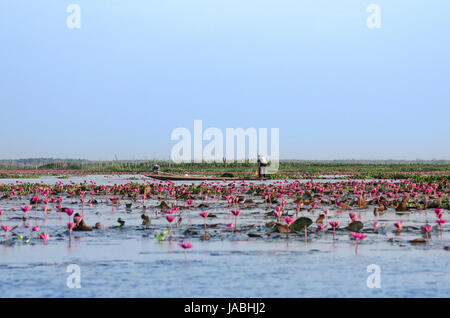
(420,171)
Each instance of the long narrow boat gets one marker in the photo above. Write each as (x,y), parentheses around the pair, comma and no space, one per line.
(188,177)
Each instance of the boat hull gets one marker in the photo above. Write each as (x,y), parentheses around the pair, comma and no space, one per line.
(174,177)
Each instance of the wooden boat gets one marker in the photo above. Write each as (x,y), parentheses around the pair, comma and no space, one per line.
(190,177)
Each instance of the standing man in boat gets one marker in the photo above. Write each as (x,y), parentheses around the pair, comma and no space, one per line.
(262,163)
(155,168)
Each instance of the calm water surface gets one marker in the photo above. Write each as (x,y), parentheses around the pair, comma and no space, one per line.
(130,262)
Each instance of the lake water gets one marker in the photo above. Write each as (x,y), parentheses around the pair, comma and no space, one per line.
(130,262)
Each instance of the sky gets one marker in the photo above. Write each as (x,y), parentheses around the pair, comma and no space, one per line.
(136,70)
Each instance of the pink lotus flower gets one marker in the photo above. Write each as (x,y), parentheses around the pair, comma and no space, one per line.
(439,213)
(204,214)
(399,225)
(441,222)
(358,236)
(236,212)
(69,212)
(35,229)
(289,220)
(185,245)
(171,218)
(6,228)
(26,208)
(278,214)
(36,199)
(320,227)
(427,228)
(334,224)
(353,217)
(44,236)
(376,224)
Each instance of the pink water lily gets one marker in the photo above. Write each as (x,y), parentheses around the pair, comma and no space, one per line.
(44,236)
(278,214)
(70,226)
(204,215)
(36,228)
(185,245)
(236,214)
(399,226)
(427,228)
(320,227)
(439,212)
(289,220)
(170,219)
(441,222)
(26,208)
(358,237)
(69,212)
(334,225)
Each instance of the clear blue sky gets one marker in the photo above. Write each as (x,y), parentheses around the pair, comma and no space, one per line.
(138,69)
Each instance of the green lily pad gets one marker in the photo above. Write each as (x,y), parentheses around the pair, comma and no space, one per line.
(355,226)
(300,224)
(164,205)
